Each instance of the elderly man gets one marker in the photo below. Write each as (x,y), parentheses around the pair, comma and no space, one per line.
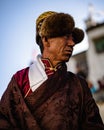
(45,96)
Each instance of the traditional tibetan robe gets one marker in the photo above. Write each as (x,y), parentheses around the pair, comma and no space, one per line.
(41,97)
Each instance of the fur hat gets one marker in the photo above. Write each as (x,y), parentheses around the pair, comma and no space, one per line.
(60,24)
(39,22)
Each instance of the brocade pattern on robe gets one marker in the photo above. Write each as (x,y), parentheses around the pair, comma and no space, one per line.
(62,102)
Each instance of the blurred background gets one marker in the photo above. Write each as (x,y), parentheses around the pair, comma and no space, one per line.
(18,47)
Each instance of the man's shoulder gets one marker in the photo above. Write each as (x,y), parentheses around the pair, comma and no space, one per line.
(21,72)
(75,75)
(77,78)
(71,74)
(21,75)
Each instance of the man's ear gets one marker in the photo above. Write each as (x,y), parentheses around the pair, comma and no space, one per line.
(45,42)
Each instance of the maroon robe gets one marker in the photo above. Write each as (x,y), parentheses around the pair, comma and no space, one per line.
(62,102)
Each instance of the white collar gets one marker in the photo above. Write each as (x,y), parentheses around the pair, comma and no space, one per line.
(37,74)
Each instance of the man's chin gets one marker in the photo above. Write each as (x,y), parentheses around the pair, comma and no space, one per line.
(67,57)
(67,60)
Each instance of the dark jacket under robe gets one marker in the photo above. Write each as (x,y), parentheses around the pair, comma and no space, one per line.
(62,102)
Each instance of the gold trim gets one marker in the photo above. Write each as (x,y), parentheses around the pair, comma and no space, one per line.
(27,93)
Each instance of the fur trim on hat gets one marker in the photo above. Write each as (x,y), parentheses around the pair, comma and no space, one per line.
(58,24)
(39,22)
(41,18)
(78,35)
(52,24)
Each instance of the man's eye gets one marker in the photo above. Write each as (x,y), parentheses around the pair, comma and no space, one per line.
(67,36)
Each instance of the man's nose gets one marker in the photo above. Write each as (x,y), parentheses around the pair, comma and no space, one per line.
(71,42)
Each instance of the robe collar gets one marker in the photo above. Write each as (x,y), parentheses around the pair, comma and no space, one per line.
(37,74)
(40,70)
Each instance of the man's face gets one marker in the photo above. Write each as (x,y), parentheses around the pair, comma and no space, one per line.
(60,48)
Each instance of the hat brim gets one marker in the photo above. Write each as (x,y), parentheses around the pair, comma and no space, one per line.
(78,35)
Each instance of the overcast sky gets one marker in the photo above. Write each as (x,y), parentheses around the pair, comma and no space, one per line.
(17,30)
